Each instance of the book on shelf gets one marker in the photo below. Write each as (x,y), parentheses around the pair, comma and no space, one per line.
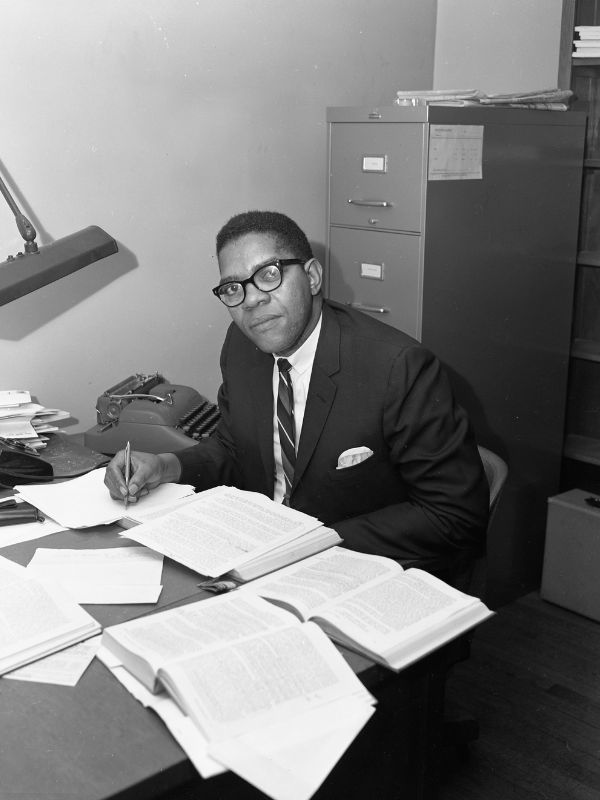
(229,532)
(234,663)
(372,605)
(37,618)
(588,31)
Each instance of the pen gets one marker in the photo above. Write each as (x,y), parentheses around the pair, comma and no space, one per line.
(127,471)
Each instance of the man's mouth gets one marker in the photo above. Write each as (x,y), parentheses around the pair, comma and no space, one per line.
(263,322)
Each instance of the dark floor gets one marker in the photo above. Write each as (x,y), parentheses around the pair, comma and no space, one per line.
(533,683)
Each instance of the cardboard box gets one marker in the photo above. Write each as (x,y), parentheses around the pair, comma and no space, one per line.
(571,573)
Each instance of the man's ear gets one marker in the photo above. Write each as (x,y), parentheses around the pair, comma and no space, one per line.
(314,270)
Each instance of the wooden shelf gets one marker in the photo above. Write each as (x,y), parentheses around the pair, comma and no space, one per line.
(586,349)
(588,258)
(582,448)
(586,62)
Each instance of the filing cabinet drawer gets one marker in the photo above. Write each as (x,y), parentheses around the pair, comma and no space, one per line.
(377,175)
(378,272)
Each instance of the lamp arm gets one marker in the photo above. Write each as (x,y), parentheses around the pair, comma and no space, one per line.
(25,227)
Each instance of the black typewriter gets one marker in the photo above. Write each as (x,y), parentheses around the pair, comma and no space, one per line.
(153,415)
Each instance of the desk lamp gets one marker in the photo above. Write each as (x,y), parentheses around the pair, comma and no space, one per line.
(37,267)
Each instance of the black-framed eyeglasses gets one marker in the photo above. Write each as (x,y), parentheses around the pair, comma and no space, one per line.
(266,278)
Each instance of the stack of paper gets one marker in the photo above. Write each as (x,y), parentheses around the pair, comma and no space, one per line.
(26,422)
(547,99)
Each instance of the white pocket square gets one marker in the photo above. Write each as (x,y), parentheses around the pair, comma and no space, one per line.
(353,456)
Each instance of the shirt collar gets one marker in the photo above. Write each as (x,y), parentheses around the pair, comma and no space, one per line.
(303,357)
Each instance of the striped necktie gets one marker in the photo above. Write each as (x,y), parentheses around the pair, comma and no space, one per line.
(285,421)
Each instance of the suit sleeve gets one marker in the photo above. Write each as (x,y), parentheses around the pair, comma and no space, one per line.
(213,462)
(431,446)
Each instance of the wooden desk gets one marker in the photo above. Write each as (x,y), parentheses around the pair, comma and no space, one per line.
(94,741)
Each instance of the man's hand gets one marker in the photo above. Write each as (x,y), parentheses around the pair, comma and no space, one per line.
(147,472)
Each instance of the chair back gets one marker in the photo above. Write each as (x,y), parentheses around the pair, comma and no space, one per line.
(495,472)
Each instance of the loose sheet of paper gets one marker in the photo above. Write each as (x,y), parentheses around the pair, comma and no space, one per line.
(111,575)
(26,531)
(183,730)
(290,762)
(85,501)
(455,152)
(64,668)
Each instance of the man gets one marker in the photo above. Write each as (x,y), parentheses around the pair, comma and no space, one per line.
(371,443)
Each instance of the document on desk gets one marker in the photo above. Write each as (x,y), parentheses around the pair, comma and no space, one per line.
(64,668)
(111,575)
(84,501)
(26,531)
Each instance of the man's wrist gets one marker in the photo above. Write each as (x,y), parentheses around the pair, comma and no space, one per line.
(170,467)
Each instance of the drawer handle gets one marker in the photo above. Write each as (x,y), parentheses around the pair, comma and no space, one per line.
(372,309)
(371,203)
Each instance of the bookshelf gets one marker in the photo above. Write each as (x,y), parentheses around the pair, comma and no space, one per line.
(581,466)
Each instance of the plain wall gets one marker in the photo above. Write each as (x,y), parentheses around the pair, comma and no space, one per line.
(157,120)
(497,45)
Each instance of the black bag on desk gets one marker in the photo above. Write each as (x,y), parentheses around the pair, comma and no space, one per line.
(17,467)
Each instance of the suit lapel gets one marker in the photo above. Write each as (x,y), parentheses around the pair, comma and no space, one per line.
(261,396)
(321,391)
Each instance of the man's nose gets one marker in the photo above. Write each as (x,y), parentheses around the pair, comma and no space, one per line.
(254,295)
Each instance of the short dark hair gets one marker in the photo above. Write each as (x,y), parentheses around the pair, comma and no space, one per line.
(285,231)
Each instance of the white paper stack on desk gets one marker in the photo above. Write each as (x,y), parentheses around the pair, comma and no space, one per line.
(25,421)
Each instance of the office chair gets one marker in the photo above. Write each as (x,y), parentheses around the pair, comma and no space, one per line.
(496,472)
(458,733)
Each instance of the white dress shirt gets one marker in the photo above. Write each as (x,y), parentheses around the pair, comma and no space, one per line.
(302,364)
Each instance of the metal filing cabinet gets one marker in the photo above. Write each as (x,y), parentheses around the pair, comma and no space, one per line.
(459,226)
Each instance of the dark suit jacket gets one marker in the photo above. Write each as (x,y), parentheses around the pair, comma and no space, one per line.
(421,498)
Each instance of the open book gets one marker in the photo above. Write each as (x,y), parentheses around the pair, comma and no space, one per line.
(228,531)
(249,688)
(234,663)
(36,618)
(371,605)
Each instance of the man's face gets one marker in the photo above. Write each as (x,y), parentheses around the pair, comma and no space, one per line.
(281,320)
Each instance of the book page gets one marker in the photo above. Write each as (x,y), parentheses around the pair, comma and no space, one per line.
(318,580)
(397,608)
(146,643)
(221,529)
(259,681)
(36,618)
